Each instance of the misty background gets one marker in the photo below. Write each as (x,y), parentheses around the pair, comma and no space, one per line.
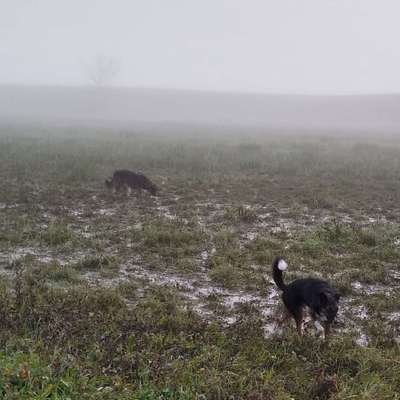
(314,64)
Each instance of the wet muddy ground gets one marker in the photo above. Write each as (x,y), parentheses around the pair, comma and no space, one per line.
(214,254)
(171,297)
(223,213)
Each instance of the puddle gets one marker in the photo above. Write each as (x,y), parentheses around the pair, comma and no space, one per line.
(79,213)
(362,340)
(105,211)
(44,256)
(18,253)
(200,293)
(165,212)
(5,205)
(372,288)
(198,290)
(360,312)
(273,328)
(93,279)
(250,236)
(393,317)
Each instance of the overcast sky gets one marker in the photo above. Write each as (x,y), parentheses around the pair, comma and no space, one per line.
(279,46)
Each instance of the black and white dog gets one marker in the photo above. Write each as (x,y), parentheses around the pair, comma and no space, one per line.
(316,294)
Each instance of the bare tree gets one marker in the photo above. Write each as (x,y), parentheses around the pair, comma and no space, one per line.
(102,70)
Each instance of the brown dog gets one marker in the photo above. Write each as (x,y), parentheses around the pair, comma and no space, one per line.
(130,180)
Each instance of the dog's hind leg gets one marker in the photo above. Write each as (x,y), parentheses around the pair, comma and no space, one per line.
(298,317)
(327,329)
(299,325)
(296,311)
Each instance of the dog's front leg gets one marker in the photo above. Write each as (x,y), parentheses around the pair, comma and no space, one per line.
(320,329)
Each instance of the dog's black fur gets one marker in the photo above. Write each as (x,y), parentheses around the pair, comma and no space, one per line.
(316,294)
(128,179)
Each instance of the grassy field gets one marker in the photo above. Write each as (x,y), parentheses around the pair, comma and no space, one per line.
(105,296)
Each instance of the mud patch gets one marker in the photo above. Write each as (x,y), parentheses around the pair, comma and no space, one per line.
(376,288)
(105,211)
(44,256)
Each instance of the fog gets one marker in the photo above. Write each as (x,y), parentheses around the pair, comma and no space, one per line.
(127,107)
(150,58)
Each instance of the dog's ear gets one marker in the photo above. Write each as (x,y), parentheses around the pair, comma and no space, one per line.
(323,298)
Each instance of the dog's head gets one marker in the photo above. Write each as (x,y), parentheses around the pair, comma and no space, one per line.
(329,305)
(152,188)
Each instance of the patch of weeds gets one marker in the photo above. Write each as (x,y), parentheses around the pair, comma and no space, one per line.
(335,232)
(263,250)
(330,237)
(380,334)
(57,273)
(386,252)
(171,239)
(343,285)
(367,237)
(106,267)
(241,214)
(232,256)
(167,235)
(89,339)
(225,274)
(313,246)
(231,266)
(263,257)
(215,303)
(128,289)
(186,264)
(20,262)
(94,263)
(381,302)
(57,234)
(322,201)
(225,239)
(377,242)
(25,375)
(17,230)
(366,270)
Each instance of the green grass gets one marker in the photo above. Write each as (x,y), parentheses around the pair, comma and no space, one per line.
(102,264)
(241,214)
(56,273)
(168,240)
(57,234)
(159,349)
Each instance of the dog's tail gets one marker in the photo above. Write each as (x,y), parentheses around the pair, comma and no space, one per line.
(278,266)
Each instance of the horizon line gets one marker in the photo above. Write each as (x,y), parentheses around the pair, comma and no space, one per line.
(198,90)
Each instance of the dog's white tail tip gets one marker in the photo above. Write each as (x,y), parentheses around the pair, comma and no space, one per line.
(282,265)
